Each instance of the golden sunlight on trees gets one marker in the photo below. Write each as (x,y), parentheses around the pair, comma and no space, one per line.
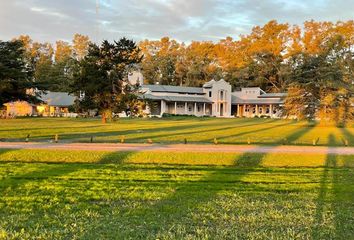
(315,61)
(80,46)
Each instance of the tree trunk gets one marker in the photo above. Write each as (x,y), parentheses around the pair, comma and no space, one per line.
(104,119)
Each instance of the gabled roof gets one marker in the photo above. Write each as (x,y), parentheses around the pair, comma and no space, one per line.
(173,89)
(11,103)
(209,84)
(59,99)
(212,82)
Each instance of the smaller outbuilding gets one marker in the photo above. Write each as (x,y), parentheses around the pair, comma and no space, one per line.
(54,104)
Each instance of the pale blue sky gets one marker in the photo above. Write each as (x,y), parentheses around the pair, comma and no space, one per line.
(184,20)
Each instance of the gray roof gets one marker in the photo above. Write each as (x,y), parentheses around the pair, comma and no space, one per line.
(173,89)
(59,99)
(177,98)
(273,95)
(237,100)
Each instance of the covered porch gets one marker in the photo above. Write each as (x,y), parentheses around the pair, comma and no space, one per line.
(256,110)
(186,108)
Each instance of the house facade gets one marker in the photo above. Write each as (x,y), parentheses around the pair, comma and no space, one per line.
(54,104)
(215,98)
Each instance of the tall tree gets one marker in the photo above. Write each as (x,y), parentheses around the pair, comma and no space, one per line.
(15,75)
(160,58)
(80,46)
(326,80)
(102,76)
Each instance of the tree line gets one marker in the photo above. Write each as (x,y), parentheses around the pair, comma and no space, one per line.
(314,63)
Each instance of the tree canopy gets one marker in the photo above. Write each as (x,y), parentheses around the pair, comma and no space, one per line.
(15,74)
(314,61)
(102,76)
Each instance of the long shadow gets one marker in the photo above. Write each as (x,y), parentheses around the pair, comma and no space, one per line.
(301,132)
(182,203)
(209,130)
(42,172)
(255,131)
(51,172)
(348,135)
(125,132)
(45,128)
(107,133)
(46,171)
(334,203)
(152,133)
(5,150)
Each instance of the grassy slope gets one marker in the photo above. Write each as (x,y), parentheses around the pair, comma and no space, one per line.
(148,201)
(236,131)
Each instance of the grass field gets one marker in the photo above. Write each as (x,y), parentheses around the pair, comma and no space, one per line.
(100,195)
(174,130)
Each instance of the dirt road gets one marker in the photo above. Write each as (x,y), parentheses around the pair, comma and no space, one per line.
(179,147)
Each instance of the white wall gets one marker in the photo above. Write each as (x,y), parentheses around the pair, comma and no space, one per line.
(215,89)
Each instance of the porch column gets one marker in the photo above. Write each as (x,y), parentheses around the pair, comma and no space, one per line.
(185,108)
(195,109)
(204,109)
(271,110)
(244,110)
(238,110)
(175,107)
(257,111)
(162,107)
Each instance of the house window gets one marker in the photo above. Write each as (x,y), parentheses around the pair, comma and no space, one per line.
(221,95)
(209,93)
(189,108)
(260,110)
(198,107)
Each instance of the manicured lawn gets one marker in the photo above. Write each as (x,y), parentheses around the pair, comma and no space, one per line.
(174,130)
(101,195)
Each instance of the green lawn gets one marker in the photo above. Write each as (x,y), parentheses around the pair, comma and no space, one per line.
(101,195)
(174,130)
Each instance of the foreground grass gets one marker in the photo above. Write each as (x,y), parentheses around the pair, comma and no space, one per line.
(176,158)
(174,130)
(101,195)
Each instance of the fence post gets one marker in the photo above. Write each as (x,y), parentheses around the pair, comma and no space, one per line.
(27,138)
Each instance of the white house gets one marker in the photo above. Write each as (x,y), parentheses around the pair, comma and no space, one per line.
(215,98)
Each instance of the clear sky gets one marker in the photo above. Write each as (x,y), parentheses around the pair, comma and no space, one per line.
(184,20)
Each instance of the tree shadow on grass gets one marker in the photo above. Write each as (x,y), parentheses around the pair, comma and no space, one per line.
(347,135)
(49,170)
(58,174)
(334,204)
(147,132)
(254,131)
(199,129)
(295,136)
(5,150)
(182,205)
